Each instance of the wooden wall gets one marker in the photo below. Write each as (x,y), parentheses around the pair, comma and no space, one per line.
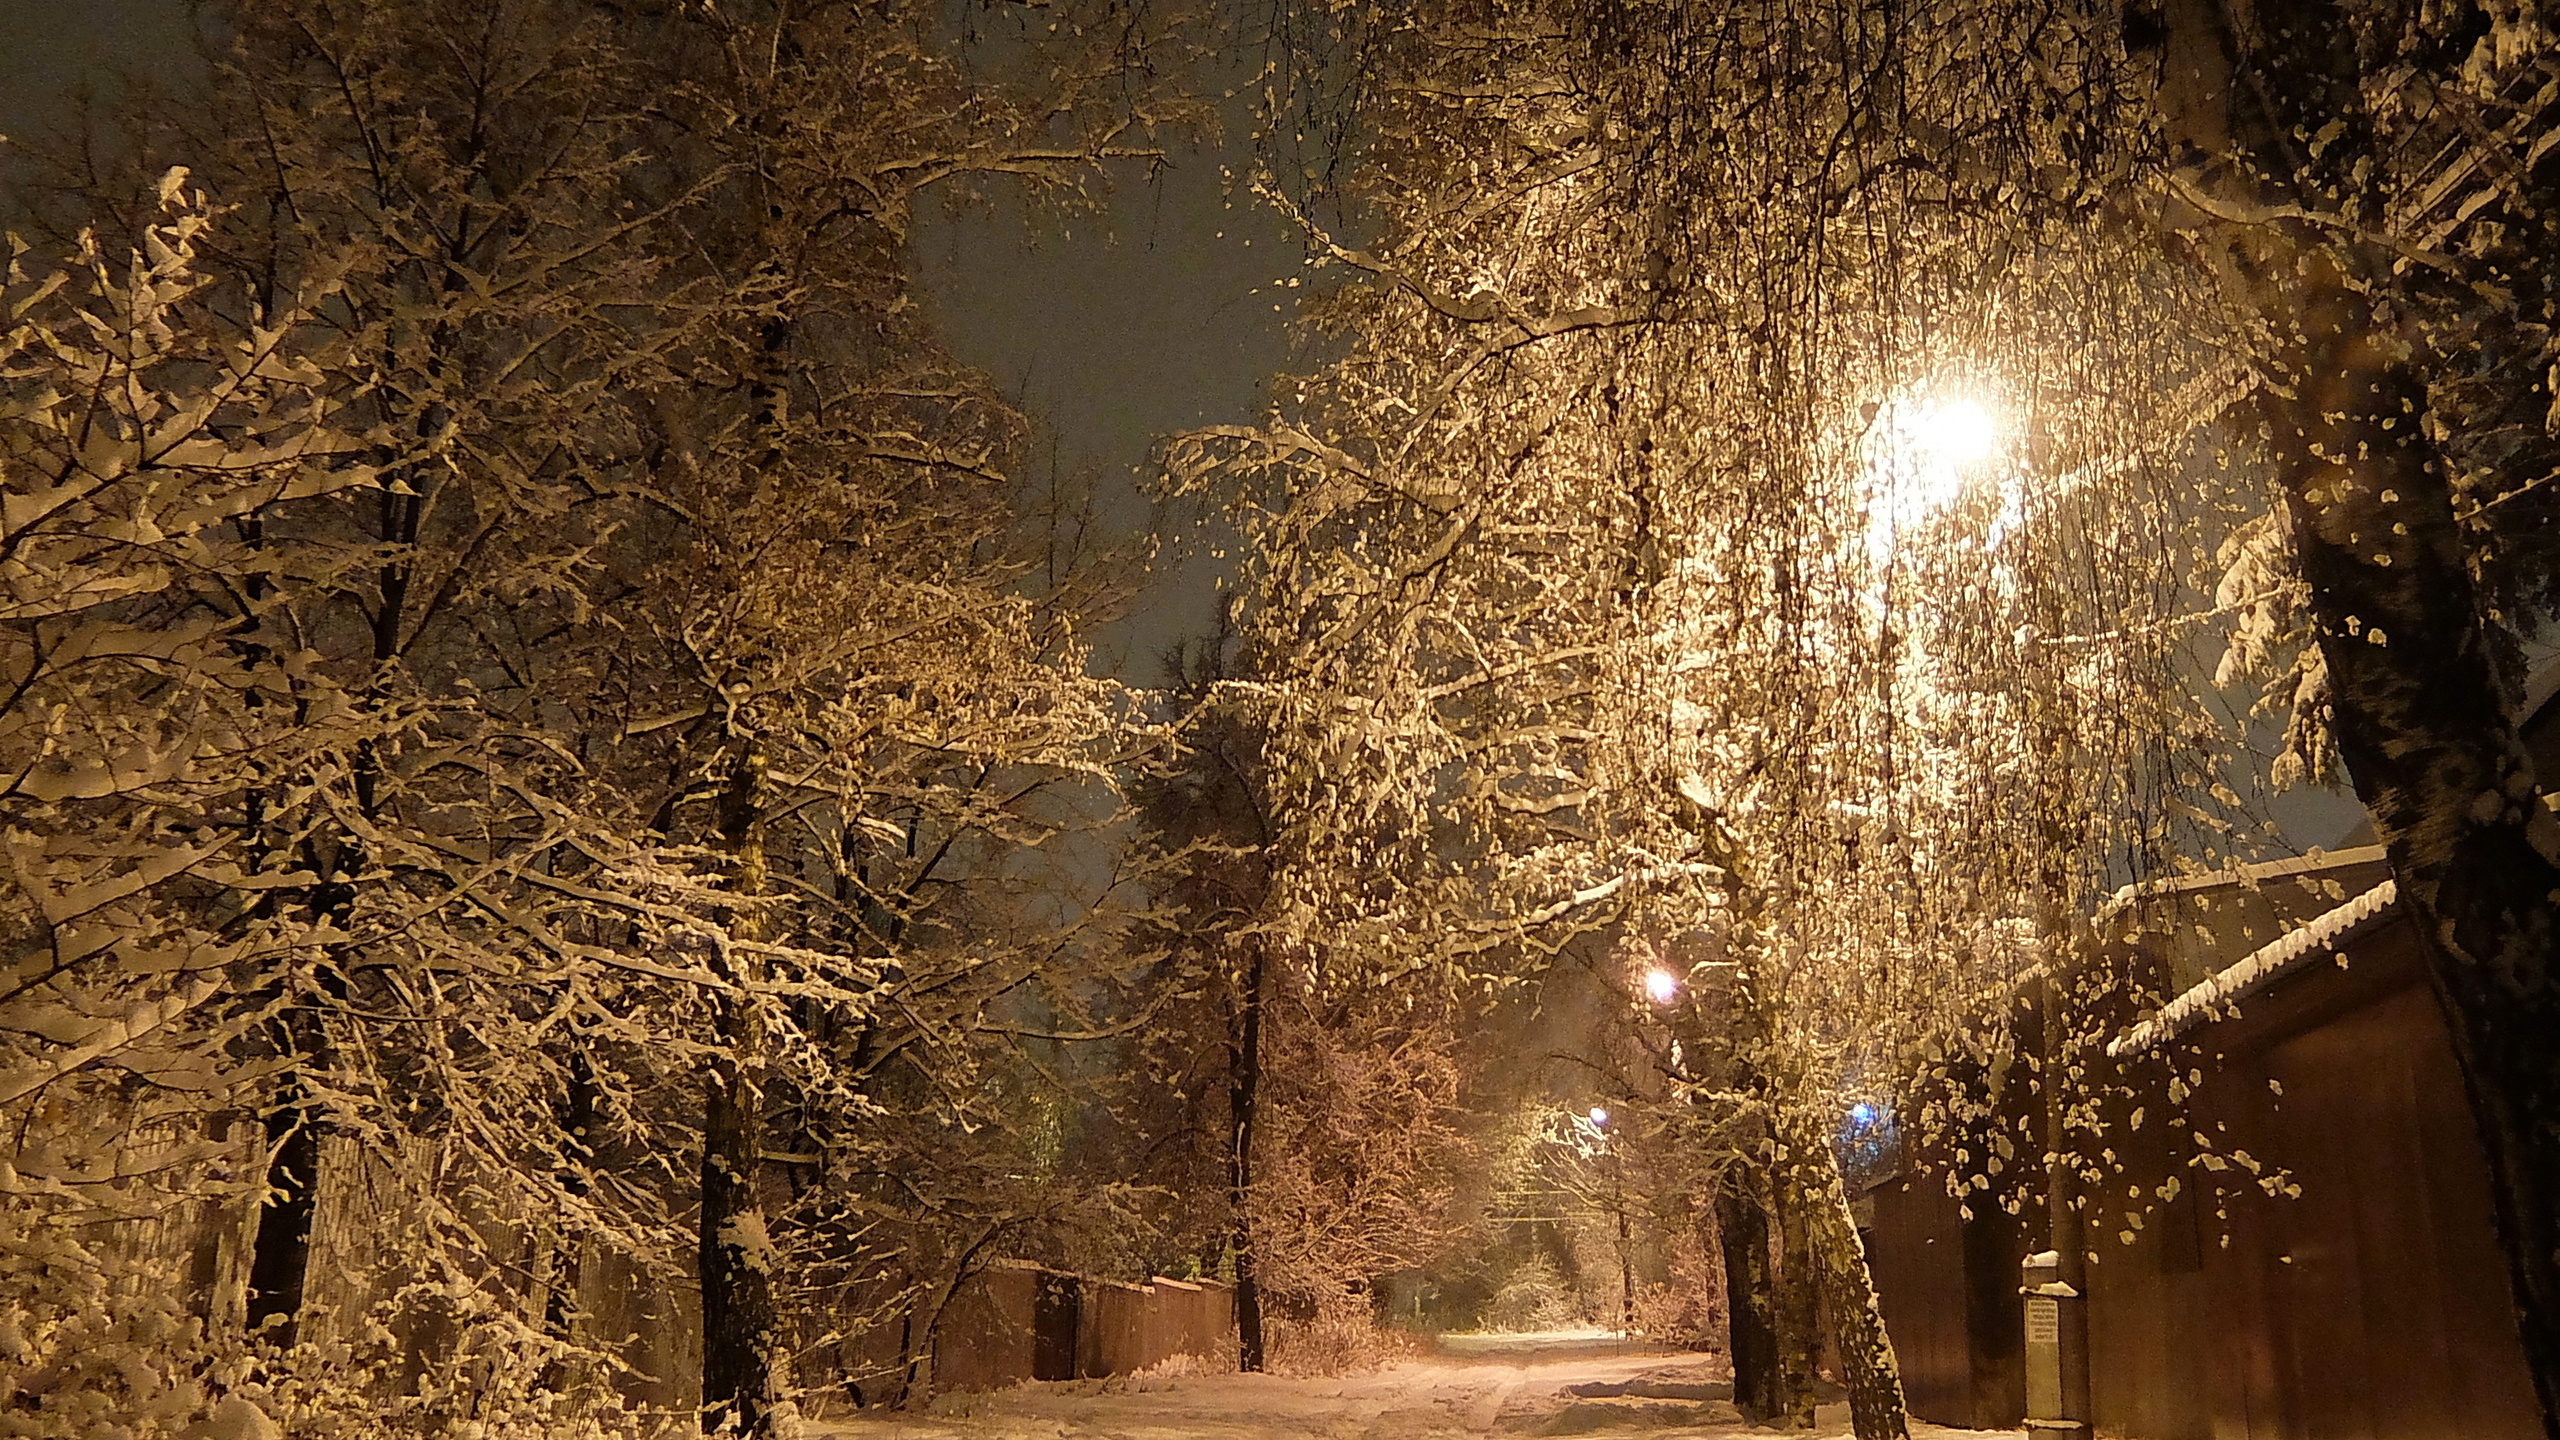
(1016,1321)
(1949,1288)
(988,1336)
(2343,1280)
(2363,1299)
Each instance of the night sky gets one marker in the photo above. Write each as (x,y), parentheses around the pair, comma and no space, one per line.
(1112,329)
(1135,323)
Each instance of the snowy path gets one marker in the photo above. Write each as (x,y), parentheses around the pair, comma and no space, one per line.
(1625,1393)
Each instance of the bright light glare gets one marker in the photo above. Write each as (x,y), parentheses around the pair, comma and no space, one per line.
(1921,458)
(1862,1112)
(1661,986)
(1957,432)
(1599,1116)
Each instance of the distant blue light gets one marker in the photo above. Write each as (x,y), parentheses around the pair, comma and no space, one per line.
(1863,1113)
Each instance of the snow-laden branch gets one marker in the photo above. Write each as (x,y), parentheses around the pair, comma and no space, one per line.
(112,1036)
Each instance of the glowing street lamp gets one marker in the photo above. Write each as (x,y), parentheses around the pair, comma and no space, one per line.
(1661,986)
(1935,445)
(1928,447)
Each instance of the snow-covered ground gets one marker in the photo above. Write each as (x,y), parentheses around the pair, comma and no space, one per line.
(1522,1385)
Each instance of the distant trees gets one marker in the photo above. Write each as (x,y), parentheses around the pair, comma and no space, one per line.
(1329,1097)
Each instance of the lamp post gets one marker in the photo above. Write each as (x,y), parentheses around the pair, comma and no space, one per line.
(1616,1161)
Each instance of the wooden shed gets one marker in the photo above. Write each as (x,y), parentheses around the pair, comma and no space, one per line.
(2325,1265)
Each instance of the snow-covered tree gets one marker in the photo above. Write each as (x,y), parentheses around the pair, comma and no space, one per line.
(681,709)
(1719,530)
(1325,1115)
(168,735)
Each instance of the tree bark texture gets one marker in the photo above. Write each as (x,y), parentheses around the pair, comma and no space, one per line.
(742,1382)
(1797,1301)
(1742,1235)
(1818,1234)
(739,1321)
(1867,1363)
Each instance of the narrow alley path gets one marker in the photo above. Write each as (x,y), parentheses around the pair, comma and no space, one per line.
(1474,1386)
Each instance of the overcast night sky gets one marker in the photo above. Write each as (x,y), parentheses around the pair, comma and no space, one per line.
(1136,323)
(1125,325)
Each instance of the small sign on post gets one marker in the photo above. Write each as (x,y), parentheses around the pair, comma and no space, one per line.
(2044,1320)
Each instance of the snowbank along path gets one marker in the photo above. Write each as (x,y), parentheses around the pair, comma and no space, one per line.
(1513,1385)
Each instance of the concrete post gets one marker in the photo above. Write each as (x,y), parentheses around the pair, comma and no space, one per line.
(2057,1350)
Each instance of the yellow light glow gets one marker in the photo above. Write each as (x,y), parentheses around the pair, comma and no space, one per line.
(1929,447)
(1661,986)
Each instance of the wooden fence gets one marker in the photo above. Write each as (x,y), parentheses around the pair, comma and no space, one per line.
(1015,1321)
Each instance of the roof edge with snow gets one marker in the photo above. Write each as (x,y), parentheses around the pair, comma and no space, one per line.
(2218,992)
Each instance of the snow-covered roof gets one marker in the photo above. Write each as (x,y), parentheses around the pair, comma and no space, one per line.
(2253,972)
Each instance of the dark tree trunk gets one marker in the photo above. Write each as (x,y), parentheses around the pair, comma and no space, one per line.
(1742,1235)
(288,1218)
(280,1257)
(1244,1081)
(742,1383)
(1626,1272)
(579,1116)
(739,1322)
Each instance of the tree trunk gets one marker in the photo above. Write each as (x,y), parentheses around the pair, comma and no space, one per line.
(742,1383)
(579,1116)
(1796,1302)
(1626,1240)
(1244,1080)
(740,1387)
(1742,1235)
(1867,1364)
(280,1257)
(1818,1233)
(2425,729)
